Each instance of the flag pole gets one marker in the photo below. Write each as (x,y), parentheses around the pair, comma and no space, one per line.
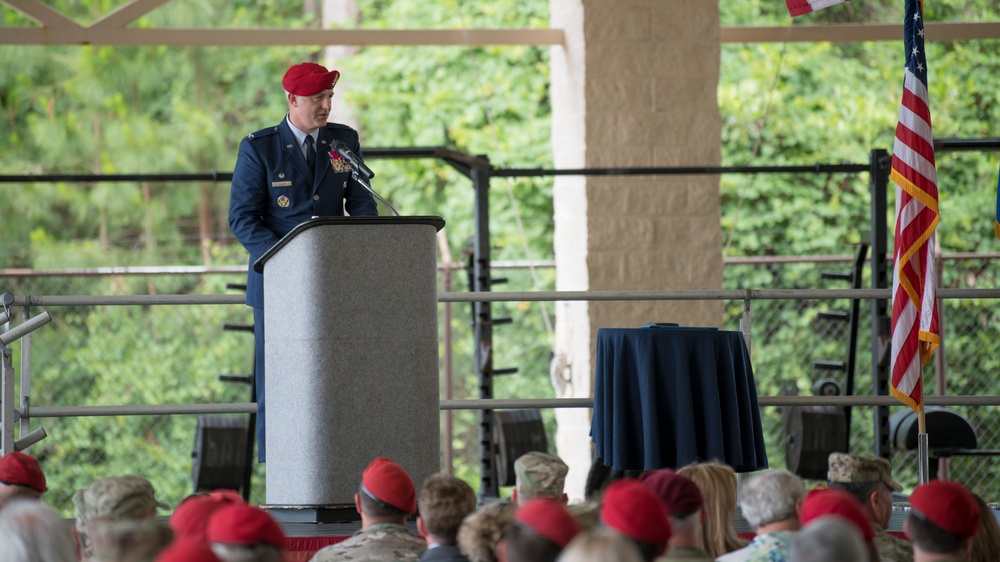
(923,460)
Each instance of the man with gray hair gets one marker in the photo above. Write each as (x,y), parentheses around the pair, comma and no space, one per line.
(30,530)
(107,506)
(828,539)
(539,475)
(771,503)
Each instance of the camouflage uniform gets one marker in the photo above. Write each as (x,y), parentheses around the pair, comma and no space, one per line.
(586,514)
(382,542)
(115,499)
(540,475)
(482,530)
(891,548)
(869,468)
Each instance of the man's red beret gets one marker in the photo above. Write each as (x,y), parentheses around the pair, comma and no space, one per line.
(308,78)
(187,551)
(548,518)
(948,505)
(832,501)
(390,484)
(633,510)
(190,520)
(23,470)
(680,494)
(242,524)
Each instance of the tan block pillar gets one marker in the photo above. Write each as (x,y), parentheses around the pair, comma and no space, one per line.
(633,86)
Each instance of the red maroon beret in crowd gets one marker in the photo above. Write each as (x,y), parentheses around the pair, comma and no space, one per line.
(548,518)
(22,470)
(309,78)
(831,501)
(633,510)
(948,505)
(246,525)
(680,494)
(190,520)
(388,483)
(187,551)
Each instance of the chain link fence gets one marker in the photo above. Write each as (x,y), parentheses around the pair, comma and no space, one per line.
(124,355)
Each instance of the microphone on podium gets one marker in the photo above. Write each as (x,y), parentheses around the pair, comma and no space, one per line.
(357,165)
(340,148)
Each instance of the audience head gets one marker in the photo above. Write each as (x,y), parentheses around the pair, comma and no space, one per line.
(482,530)
(188,551)
(190,520)
(20,477)
(718,484)
(943,518)
(539,475)
(129,541)
(541,530)
(243,533)
(986,543)
(834,502)
(774,496)
(118,498)
(683,500)
(869,479)
(31,530)
(637,513)
(828,539)
(444,503)
(600,545)
(387,493)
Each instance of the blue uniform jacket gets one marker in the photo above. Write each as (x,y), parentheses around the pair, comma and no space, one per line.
(273,191)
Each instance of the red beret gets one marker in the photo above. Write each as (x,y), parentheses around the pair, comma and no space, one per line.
(308,78)
(548,518)
(948,505)
(242,524)
(23,470)
(190,520)
(831,501)
(187,551)
(633,510)
(388,483)
(680,494)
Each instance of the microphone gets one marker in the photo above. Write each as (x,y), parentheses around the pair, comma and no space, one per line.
(340,148)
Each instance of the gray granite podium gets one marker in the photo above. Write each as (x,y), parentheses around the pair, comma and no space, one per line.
(351,355)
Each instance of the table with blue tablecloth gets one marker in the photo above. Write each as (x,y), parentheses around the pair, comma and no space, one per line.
(666,396)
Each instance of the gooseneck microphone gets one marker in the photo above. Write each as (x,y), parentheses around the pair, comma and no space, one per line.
(358,166)
(352,158)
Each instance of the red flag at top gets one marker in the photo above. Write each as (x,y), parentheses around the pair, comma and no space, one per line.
(799,7)
(915,332)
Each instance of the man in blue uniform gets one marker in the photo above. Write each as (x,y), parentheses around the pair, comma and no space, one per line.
(284,176)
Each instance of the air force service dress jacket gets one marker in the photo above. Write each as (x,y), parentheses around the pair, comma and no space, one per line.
(273,190)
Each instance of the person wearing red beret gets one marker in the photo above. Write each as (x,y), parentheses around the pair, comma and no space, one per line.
(684,503)
(542,528)
(20,477)
(634,511)
(943,520)
(285,175)
(385,499)
(244,533)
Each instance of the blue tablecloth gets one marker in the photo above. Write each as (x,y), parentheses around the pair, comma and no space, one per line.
(666,397)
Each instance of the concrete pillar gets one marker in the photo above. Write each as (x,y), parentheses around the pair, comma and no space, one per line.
(633,86)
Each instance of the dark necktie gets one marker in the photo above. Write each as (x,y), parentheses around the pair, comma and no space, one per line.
(310,153)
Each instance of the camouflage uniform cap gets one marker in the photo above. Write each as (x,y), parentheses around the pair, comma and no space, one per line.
(541,474)
(846,468)
(117,498)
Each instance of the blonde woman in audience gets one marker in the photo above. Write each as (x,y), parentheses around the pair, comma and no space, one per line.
(986,543)
(718,486)
(600,545)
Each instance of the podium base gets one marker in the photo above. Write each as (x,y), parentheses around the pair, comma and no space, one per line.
(338,513)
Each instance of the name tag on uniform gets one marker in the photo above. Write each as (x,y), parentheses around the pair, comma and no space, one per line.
(281,184)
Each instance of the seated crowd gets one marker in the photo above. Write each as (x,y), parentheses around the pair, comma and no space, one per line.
(659,515)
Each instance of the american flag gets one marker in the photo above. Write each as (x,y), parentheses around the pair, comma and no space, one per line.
(915,333)
(799,7)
